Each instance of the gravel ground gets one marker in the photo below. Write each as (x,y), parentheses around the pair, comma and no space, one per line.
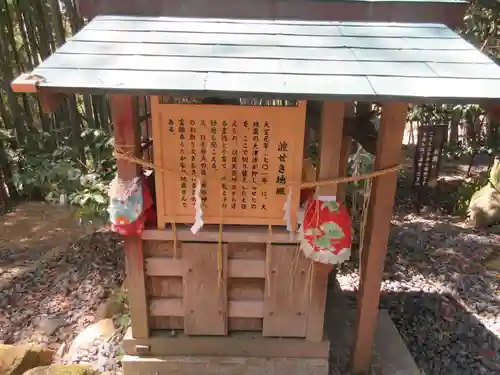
(442,299)
(444,302)
(102,355)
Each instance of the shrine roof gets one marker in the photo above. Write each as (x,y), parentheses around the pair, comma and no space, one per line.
(285,59)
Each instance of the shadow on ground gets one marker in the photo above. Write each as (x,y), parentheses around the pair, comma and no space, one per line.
(437,288)
(441,335)
(63,291)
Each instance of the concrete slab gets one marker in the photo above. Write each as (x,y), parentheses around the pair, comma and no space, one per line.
(390,354)
(134,365)
(390,357)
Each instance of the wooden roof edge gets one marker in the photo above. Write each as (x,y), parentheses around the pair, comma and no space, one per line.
(28,83)
(63,92)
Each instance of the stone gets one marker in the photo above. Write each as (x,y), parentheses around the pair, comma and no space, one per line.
(60,353)
(50,325)
(85,341)
(494,264)
(16,360)
(110,308)
(484,206)
(63,370)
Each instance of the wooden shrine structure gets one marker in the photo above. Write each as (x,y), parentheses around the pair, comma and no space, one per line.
(227,293)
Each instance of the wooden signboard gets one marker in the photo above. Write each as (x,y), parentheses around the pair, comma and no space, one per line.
(430,143)
(238,154)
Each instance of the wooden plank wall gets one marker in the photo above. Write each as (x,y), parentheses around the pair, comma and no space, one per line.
(269,296)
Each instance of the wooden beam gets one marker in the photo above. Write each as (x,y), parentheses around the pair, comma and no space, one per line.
(177,307)
(238,344)
(239,268)
(231,234)
(26,83)
(50,102)
(376,233)
(126,133)
(332,120)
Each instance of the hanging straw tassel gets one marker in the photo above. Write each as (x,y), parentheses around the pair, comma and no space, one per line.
(364,218)
(309,279)
(174,234)
(312,273)
(268,259)
(293,270)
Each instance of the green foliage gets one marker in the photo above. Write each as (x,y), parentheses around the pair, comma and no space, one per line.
(461,197)
(359,163)
(59,176)
(481,27)
(124,317)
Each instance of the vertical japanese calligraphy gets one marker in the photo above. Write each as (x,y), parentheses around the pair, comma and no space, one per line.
(182,156)
(234,166)
(213,144)
(265,164)
(244,170)
(194,162)
(255,162)
(203,163)
(282,157)
(223,162)
(428,151)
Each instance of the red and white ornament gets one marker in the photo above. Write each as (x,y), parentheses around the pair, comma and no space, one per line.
(325,235)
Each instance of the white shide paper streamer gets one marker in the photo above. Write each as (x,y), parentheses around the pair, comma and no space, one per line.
(198,218)
(286,208)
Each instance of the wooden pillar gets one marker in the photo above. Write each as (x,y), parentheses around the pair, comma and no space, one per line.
(343,166)
(345,148)
(376,233)
(494,112)
(332,122)
(126,133)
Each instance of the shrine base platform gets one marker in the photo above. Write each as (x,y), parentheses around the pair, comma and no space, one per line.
(390,355)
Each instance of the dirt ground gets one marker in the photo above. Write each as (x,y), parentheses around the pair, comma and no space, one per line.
(54,273)
(34,232)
